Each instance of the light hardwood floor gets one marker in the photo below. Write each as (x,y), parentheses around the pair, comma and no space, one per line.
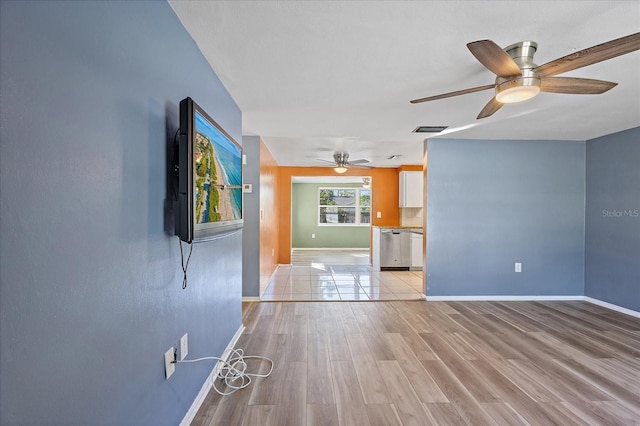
(440,363)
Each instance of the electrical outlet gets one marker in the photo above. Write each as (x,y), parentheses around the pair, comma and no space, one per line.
(169,366)
(379,215)
(184,346)
(518,267)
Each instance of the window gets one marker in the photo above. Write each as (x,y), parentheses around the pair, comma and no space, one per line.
(344,206)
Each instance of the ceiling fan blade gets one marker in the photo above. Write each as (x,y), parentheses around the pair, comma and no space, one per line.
(576,86)
(591,55)
(358,166)
(325,161)
(361,161)
(490,108)
(456,93)
(494,58)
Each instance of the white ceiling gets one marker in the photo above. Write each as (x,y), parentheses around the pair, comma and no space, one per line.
(316,77)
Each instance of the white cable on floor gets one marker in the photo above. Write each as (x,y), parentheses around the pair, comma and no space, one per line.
(234,369)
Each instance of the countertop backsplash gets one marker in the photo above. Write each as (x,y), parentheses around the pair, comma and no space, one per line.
(411,217)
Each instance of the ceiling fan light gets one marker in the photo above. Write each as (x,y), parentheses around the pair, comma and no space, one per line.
(340,169)
(517,90)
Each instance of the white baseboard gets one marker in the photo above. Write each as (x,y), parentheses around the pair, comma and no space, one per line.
(206,387)
(533,299)
(250,299)
(500,298)
(612,307)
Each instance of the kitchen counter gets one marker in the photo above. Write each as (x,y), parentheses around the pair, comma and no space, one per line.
(414,229)
(400,227)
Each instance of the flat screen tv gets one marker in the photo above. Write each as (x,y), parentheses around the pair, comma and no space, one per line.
(209,201)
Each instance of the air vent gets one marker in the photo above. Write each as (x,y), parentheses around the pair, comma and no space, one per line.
(429,129)
(393,157)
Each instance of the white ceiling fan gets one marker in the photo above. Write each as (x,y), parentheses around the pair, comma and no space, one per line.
(341,162)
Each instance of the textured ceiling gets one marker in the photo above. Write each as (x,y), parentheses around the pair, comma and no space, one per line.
(316,77)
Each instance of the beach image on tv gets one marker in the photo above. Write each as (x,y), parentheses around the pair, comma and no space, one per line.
(218,163)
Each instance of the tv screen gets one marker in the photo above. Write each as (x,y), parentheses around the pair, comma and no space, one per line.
(209,177)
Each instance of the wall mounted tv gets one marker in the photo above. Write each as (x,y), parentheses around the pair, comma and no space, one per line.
(209,201)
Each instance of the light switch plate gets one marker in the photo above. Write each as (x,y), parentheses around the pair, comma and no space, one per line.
(169,366)
(184,346)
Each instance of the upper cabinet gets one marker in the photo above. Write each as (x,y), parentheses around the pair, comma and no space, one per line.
(411,189)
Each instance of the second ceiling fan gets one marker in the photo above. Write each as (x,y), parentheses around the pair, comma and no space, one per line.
(341,162)
(519,79)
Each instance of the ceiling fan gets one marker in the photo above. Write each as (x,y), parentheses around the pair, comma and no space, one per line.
(341,162)
(519,79)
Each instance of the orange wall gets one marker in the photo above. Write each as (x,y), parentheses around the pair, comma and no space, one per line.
(269,247)
(384,195)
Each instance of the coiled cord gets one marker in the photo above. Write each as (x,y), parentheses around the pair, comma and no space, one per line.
(234,370)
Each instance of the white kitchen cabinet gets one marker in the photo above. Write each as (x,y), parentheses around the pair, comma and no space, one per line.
(375,248)
(416,251)
(410,189)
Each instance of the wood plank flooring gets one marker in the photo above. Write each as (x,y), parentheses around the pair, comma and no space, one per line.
(436,363)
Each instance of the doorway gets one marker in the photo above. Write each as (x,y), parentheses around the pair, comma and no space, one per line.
(331,215)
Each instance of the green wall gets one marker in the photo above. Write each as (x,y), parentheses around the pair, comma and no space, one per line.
(304,222)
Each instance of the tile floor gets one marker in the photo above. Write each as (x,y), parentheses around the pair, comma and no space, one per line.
(340,276)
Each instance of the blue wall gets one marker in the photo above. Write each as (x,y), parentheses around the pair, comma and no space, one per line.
(90,281)
(612,258)
(492,203)
(251,213)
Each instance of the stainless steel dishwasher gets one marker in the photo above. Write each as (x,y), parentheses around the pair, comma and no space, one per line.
(395,248)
